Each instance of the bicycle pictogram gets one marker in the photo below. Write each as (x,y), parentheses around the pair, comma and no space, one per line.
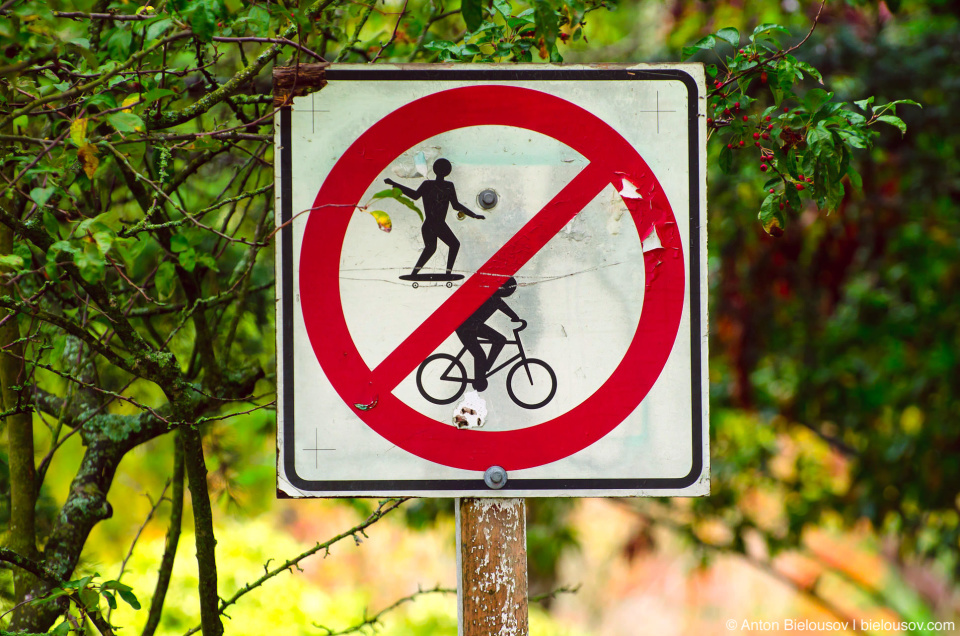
(531,383)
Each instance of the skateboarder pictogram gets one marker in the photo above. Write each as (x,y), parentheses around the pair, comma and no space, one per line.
(438,195)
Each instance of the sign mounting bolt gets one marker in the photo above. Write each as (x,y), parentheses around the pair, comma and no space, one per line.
(495,477)
(488,198)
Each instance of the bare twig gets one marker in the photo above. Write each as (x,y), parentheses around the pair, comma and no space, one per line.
(385,507)
(373,621)
(283,41)
(393,36)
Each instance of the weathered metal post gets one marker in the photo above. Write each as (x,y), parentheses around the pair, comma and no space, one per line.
(491,567)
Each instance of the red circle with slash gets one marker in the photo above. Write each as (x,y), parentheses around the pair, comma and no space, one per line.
(369,392)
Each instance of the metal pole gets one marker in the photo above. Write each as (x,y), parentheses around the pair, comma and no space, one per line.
(492,567)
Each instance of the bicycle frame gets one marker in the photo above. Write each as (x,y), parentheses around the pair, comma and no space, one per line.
(521,355)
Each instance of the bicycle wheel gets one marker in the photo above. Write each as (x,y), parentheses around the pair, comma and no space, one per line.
(441,378)
(534,390)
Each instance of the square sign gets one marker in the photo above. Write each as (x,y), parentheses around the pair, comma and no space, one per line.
(491,281)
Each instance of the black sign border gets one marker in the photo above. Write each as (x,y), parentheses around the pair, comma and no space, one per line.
(357,488)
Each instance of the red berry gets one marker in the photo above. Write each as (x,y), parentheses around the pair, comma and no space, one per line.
(770,127)
(745,118)
(730,146)
(767,118)
(800,186)
(757,144)
(737,105)
(763,77)
(741,51)
(786,110)
(781,206)
(765,136)
(756,135)
(763,168)
(800,177)
(726,111)
(741,142)
(709,121)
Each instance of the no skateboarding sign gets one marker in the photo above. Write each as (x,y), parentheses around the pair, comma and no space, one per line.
(493,271)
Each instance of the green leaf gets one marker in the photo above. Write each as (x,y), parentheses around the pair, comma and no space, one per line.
(502,7)
(119,44)
(853,139)
(130,598)
(40,196)
(188,259)
(548,26)
(125,122)
(472,11)
(51,224)
(157,28)
(443,46)
(105,101)
(63,629)
(855,179)
(703,43)
(730,35)
(166,279)
(771,216)
(815,97)
(767,29)
(864,104)
(793,197)
(111,599)
(893,105)
(104,240)
(11,261)
(91,263)
(893,121)
(55,594)
(157,93)
(90,599)
(208,261)
(259,21)
(810,70)
(726,160)
(819,136)
(202,16)
(395,193)
(179,243)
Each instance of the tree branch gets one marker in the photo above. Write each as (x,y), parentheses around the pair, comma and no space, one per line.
(165,571)
(386,506)
(206,541)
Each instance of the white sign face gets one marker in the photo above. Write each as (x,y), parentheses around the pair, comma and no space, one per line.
(493,271)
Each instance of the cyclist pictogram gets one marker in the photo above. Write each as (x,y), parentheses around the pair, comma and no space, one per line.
(531,383)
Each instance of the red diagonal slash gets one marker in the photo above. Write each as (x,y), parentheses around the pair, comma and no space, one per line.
(531,238)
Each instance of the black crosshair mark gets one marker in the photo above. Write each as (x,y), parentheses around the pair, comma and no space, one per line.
(313,112)
(316,449)
(657,111)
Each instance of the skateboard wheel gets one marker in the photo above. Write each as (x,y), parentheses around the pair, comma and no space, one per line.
(449,284)
(415,285)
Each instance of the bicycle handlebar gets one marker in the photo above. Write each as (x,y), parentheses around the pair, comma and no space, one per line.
(523,325)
